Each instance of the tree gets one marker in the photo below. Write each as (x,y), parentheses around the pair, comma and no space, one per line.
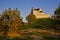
(57,17)
(57,12)
(11,20)
(30,18)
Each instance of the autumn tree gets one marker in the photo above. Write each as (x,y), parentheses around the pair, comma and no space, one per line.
(11,20)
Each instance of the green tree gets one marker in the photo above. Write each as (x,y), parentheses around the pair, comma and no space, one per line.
(57,17)
(57,11)
(57,14)
(30,18)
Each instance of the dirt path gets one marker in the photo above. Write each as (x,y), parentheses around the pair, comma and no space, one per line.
(40,30)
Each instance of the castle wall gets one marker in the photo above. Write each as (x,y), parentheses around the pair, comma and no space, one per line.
(40,14)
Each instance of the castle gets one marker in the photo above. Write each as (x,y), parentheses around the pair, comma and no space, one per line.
(39,13)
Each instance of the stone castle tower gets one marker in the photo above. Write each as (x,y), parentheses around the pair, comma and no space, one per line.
(39,13)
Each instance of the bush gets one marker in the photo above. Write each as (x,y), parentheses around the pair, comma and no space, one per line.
(42,23)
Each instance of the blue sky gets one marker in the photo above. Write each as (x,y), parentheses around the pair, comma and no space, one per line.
(25,6)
